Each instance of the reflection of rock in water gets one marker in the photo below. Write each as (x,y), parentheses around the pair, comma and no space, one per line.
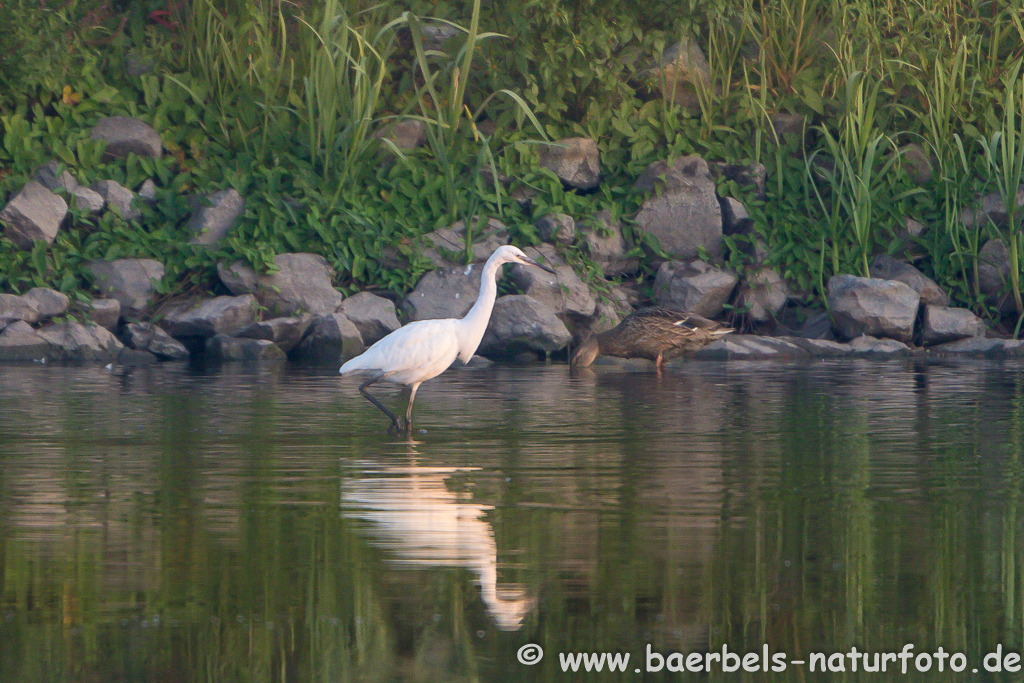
(418,519)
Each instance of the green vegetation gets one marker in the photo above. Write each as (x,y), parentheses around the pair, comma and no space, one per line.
(282,100)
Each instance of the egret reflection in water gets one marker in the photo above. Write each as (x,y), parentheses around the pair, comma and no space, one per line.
(423,524)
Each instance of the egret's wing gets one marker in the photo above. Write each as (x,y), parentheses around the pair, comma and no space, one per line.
(415,345)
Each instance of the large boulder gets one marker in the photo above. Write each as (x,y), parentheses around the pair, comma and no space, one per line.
(564,292)
(152,338)
(209,317)
(576,162)
(696,287)
(224,347)
(682,70)
(606,246)
(19,341)
(119,198)
(682,210)
(873,307)
(87,200)
(50,302)
(301,283)
(942,324)
(992,208)
(285,332)
(993,268)
(446,293)
(125,135)
(105,312)
(886,267)
(331,339)
(764,293)
(54,177)
(373,315)
(14,307)
(210,224)
(556,228)
(446,247)
(520,324)
(32,215)
(129,280)
(77,342)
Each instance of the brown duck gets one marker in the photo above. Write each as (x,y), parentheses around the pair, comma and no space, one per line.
(652,333)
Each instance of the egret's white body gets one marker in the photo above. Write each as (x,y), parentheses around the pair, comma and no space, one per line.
(424,349)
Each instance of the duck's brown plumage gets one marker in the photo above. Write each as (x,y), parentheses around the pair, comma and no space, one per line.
(654,333)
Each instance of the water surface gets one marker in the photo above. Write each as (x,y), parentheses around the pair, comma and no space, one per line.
(248,524)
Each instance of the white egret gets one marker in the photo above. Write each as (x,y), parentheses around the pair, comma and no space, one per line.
(424,349)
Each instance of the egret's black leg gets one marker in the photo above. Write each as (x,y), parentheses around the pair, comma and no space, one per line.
(408,410)
(371,399)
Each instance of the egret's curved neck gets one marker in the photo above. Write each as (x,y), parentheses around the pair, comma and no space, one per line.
(474,324)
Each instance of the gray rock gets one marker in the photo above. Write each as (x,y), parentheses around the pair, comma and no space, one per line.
(750,347)
(105,312)
(130,281)
(405,134)
(447,293)
(869,346)
(89,200)
(982,347)
(556,228)
(992,208)
(696,287)
(210,224)
(54,177)
(817,325)
(682,212)
(125,135)
(735,219)
(13,307)
(822,347)
(942,324)
(19,341)
(33,214)
(436,35)
(764,292)
(77,342)
(301,284)
(789,129)
(331,339)
(520,323)
(886,267)
(285,332)
(993,267)
(917,162)
(874,307)
(50,302)
(147,191)
(119,198)
(682,69)
(564,293)
(224,347)
(447,247)
(137,64)
(210,317)
(373,315)
(575,161)
(134,358)
(152,338)
(606,246)
(753,175)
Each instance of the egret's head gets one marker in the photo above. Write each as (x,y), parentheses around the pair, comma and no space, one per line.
(510,254)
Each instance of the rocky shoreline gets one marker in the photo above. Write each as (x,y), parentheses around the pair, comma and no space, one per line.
(296,313)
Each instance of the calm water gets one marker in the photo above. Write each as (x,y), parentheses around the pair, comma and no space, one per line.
(258,525)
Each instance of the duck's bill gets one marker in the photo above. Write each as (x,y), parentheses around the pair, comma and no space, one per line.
(541,266)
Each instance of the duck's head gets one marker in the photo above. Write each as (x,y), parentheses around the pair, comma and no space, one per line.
(586,353)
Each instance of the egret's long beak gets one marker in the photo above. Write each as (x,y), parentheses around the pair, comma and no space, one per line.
(542,267)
